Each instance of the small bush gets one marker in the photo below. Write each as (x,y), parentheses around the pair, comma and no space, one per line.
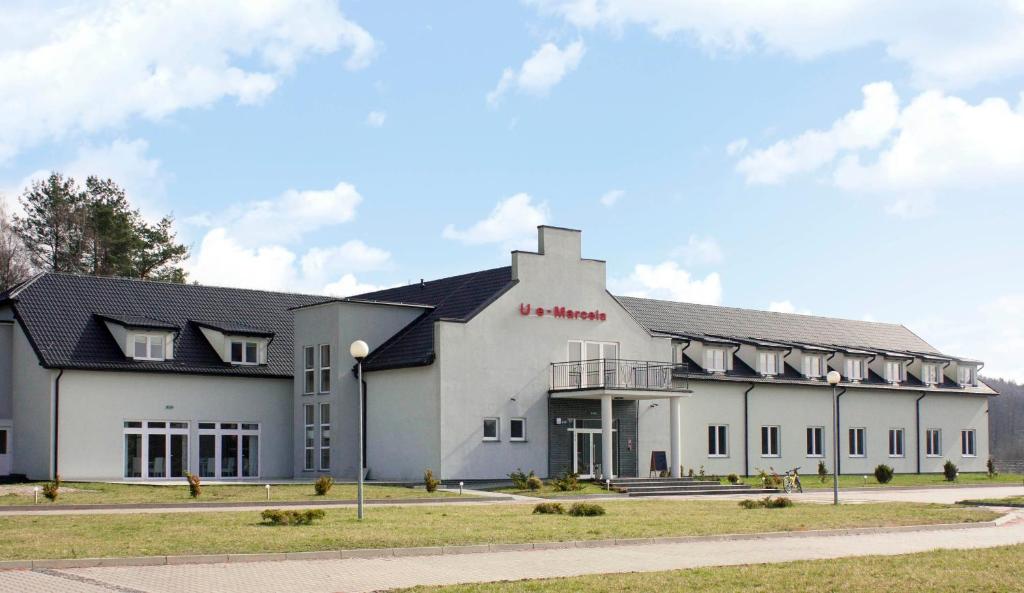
(700,472)
(990,465)
(779,502)
(733,479)
(690,474)
(950,470)
(519,478)
(533,483)
(770,480)
(548,508)
(52,489)
(430,481)
(195,488)
(822,472)
(883,473)
(586,509)
(279,517)
(323,485)
(568,482)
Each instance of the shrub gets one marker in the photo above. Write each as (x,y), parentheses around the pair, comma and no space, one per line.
(520,479)
(950,470)
(690,472)
(279,517)
(990,465)
(733,479)
(323,485)
(586,509)
(700,472)
(779,502)
(534,483)
(548,508)
(770,480)
(822,472)
(883,473)
(52,489)
(750,503)
(430,481)
(195,488)
(568,482)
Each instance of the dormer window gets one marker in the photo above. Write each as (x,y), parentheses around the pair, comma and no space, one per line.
(714,360)
(769,362)
(814,366)
(855,370)
(895,372)
(245,352)
(148,347)
(967,376)
(930,374)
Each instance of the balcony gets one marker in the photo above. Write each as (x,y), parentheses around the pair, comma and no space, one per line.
(619,375)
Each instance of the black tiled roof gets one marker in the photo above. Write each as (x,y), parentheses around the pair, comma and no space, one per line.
(455,298)
(59,313)
(137,321)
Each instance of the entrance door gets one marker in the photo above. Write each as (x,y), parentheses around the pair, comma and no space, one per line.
(6,452)
(587,450)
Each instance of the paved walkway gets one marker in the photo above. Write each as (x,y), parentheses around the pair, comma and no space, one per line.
(355,575)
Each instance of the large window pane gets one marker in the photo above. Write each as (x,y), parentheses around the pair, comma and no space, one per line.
(157,456)
(133,455)
(179,455)
(207,456)
(229,456)
(250,456)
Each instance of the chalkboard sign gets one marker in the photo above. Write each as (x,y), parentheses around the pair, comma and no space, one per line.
(659,462)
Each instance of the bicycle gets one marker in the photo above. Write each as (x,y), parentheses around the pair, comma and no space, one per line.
(791,480)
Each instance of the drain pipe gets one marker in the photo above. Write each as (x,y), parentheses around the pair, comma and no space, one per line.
(746,430)
(839,458)
(917,420)
(56,422)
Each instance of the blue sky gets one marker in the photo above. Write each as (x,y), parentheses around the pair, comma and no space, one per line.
(844,159)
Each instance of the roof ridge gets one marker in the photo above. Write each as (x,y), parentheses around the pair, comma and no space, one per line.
(176,284)
(467,275)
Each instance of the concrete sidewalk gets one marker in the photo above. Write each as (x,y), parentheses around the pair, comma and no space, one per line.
(366,575)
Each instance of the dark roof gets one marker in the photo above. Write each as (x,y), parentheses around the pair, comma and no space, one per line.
(60,315)
(137,321)
(457,298)
(699,320)
(235,329)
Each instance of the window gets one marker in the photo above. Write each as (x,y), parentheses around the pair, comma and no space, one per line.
(967,375)
(933,442)
(325,368)
(325,436)
(3,442)
(894,371)
(244,352)
(229,449)
(309,372)
(814,365)
(930,374)
(815,441)
(769,363)
(855,369)
(490,429)
(309,413)
(718,440)
(517,429)
(155,449)
(769,441)
(714,360)
(895,442)
(149,347)
(857,442)
(967,443)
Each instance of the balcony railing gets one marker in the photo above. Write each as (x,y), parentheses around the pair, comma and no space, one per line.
(615,373)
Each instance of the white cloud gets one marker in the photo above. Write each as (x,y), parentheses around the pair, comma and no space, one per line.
(512,223)
(292,215)
(348,286)
(699,251)
(610,198)
(787,307)
(944,43)
(668,281)
(321,263)
(88,67)
(376,119)
(540,72)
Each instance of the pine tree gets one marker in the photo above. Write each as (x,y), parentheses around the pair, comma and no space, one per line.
(53,227)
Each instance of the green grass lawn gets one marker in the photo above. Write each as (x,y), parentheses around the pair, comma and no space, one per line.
(103,493)
(71,536)
(941,571)
(548,491)
(811,481)
(1011,501)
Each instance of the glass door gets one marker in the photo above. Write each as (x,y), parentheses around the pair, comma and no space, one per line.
(583,455)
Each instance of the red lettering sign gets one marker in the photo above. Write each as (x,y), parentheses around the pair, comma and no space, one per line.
(560,312)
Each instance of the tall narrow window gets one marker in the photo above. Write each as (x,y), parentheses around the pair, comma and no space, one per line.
(325,436)
(769,441)
(967,443)
(895,442)
(714,360)
(325,368)
(517,429)
(309,370)
(309,413)
(815,441)
(857,442)
(718,440)
(933,442)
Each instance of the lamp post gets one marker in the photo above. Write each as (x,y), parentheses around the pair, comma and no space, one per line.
(833,379)
(359,350)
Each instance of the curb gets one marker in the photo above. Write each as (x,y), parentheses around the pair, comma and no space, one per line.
(56,508)
(376,553)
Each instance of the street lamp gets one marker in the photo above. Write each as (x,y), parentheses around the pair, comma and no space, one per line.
(359,350)
(834,378)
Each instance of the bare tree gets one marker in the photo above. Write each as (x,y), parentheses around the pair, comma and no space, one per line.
(15,266)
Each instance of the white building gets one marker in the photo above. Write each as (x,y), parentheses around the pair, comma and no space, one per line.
(533,366)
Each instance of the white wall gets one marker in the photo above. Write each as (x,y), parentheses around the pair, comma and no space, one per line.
(32,401)
(403,423)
